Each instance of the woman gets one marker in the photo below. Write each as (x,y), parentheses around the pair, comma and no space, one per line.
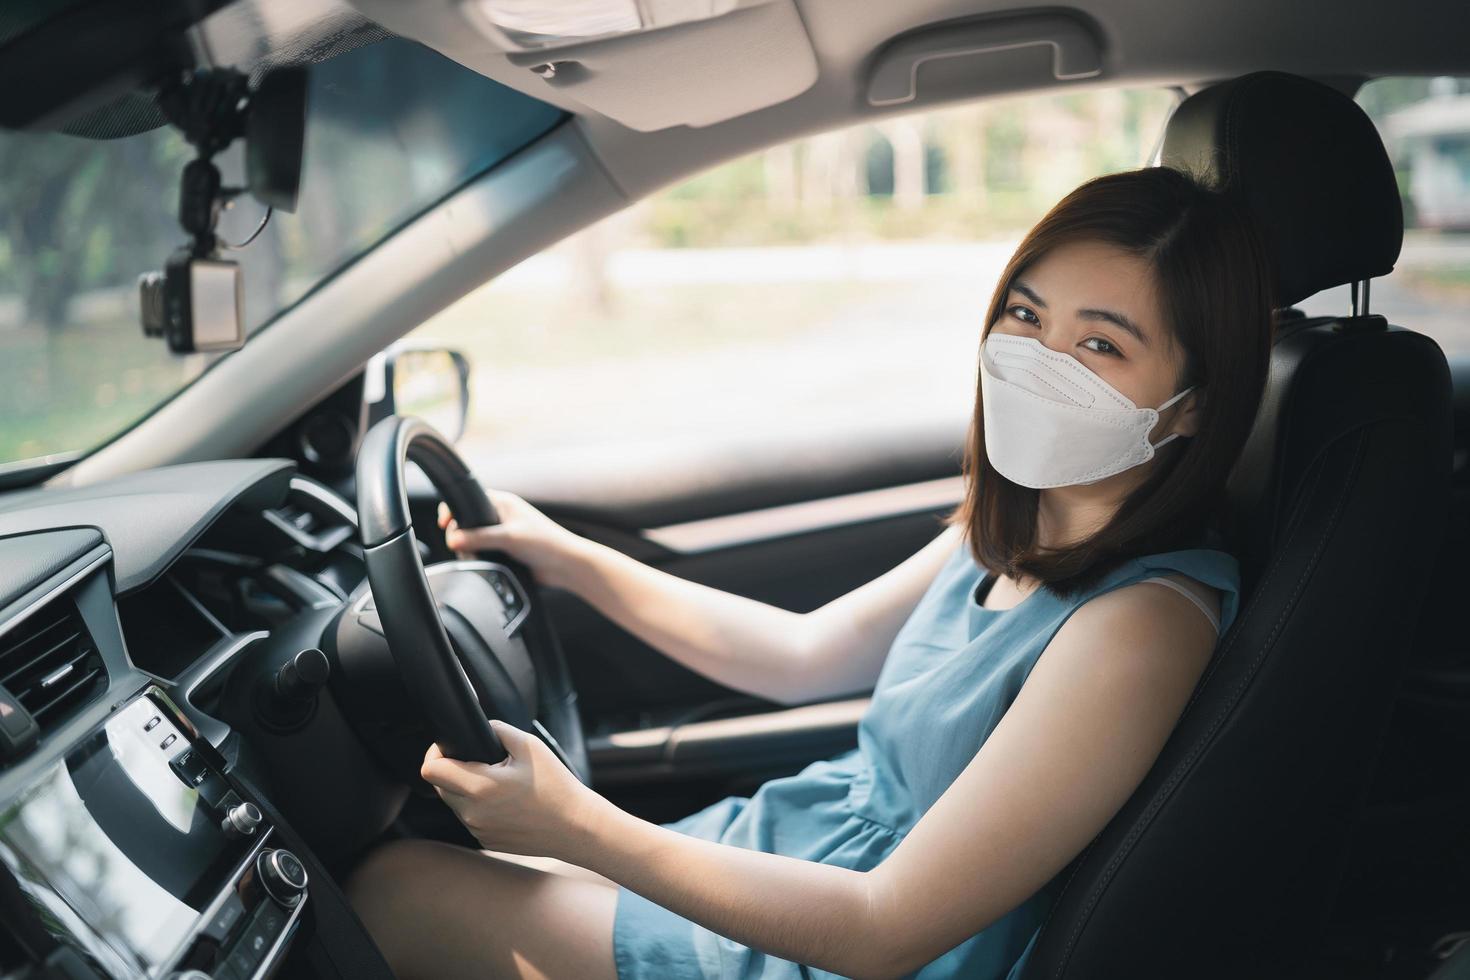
(1029,662)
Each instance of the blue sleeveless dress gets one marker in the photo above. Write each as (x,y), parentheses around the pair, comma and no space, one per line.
(953,670)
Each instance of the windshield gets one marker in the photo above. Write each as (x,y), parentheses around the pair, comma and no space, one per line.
(391,129)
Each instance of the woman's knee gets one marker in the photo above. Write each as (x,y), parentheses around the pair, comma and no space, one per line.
(436,910)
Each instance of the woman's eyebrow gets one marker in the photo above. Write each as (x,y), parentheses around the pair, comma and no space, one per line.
(1029,293)
(1110,316)
(1119,320)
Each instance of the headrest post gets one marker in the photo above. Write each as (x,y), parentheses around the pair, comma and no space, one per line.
(1360,308)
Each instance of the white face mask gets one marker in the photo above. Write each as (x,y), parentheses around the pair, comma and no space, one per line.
(1052,422)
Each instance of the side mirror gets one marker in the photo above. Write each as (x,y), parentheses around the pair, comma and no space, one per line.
(432,383)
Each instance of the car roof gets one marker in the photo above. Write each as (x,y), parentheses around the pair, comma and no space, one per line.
(660,104)
(692,70)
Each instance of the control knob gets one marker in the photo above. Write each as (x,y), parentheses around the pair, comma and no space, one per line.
(241,820)
(286,699)
(282,875)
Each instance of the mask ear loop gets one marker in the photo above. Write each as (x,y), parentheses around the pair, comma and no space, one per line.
(1173,435)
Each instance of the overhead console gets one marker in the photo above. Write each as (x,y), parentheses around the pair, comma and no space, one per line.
(754,53)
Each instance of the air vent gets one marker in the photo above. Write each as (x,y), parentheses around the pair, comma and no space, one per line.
(50,663)
(310,523)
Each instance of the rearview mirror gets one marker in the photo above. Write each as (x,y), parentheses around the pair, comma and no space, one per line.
(430,383)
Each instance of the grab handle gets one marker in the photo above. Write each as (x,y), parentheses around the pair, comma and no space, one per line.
(1077,50)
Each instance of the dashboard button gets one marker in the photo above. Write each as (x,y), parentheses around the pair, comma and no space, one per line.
(269,921)
(190,767)
(224,921)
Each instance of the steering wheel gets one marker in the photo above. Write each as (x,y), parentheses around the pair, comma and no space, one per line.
(476,645)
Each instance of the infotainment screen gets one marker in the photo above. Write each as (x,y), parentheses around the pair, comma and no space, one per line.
(119,834)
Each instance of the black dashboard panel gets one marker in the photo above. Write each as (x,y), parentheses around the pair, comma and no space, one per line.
(28,560)
(115,860)
(149,518)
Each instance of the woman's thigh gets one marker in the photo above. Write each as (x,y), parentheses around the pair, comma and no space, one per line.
(554,866)
(439,911)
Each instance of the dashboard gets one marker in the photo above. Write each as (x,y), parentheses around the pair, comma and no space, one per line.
(158,691)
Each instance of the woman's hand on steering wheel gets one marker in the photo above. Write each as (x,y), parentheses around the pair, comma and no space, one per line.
(548,550)
(529,803)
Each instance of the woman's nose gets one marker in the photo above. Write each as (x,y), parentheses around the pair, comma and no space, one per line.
(1055,339)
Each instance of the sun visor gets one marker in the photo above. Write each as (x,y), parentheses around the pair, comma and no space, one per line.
(647,64)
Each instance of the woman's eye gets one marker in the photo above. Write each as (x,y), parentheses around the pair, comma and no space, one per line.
(1024,314)
(1104,346)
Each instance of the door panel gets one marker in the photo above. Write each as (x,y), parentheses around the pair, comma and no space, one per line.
(729,746)
(624,683)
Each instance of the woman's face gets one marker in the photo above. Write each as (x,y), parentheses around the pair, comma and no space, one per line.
(1100,305)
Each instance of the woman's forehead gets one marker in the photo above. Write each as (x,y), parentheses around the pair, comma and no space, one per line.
(1094,274)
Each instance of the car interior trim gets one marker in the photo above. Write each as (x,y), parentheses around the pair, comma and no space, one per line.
(193,681)
(711,534)
(634,756)
(325,497)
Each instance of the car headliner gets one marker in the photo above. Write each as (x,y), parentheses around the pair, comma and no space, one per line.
(594,165)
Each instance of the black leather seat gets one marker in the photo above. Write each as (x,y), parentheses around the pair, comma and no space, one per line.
(1226,860)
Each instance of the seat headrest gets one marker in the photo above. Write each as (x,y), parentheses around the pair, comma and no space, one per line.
(1310,166)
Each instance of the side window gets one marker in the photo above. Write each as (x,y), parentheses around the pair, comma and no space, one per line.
(1425,124)
(817,304)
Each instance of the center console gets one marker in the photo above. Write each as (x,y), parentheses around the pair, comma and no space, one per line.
(139,856)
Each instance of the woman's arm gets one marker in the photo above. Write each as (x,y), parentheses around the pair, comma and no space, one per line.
(1079,738)
(738,642)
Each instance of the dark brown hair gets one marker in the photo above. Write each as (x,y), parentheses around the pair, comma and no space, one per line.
(1214,284)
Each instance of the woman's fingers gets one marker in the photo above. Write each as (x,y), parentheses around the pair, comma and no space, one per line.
(515,741)
(475,538)
(453,776)
(445,516)
(458,539)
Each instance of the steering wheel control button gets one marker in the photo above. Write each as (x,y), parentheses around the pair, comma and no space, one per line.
(282,875)
(507,592)
(152,723)
(241,820)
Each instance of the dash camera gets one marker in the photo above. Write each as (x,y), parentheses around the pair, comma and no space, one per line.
(196,303)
